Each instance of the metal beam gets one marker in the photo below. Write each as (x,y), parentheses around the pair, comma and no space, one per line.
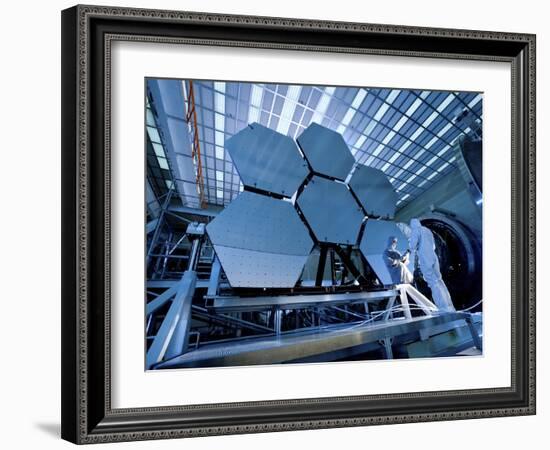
(321,266)
(196,212)
(222,319)
(158,226)
(214,280)
(191,116)
(473,331)
(161,283)
(299,346)
(226,303)
(151,225)
(169,283)
(348,263)
(159,301)
(172,337)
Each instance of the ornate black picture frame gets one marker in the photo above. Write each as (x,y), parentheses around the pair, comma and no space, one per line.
(87,35)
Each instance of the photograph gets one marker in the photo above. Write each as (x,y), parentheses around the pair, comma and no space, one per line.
(296,220)
(294,223)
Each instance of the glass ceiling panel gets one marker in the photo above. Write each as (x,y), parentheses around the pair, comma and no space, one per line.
(406,133)
(161,180)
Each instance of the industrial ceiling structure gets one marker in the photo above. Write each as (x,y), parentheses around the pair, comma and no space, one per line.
(408,134)
(277,223)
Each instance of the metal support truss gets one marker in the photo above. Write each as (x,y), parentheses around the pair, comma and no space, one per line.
(313,343)
(264,303)
(406,291)
(386,343)
(172,337)
(158,225)
(191,118)
(215,274)
(321,266)
(348,263)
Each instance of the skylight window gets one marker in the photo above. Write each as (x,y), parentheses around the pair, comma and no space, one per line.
(219,122)
(393,95)
(159,150)
(359,97)
(388,137)
(432,142)
(150,118)
(422,169)
(381,111)
(430,162)
(413,107)
(289,105)
(255,104)
(361,141)
(322,106)
(370,127)
(231,107)
(346,120)
(378,150)
(163,163)
(446,102)
(400,123)
(419,153)
(402,186)
(409,164)
(474,101)
(417,133)
(219,116)
(220,139)
(153,135)
(219,97)
(444,129)
(430,119)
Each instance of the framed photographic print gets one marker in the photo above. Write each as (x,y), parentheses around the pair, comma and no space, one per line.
(267,222)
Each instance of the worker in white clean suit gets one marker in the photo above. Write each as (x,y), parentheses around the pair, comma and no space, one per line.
(397,263)
(422,243)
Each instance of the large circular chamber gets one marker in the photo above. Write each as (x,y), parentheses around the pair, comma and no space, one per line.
(460,258)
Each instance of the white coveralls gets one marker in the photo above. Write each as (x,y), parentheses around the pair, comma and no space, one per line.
(422,242)
(397,263)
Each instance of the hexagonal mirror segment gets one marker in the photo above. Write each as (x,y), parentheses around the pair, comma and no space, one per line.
(374,191)
(260,241)
(331,211)
(326,151)
(267,160)
(375,241)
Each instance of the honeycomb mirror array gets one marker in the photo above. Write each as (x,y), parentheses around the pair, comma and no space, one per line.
(260,238)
